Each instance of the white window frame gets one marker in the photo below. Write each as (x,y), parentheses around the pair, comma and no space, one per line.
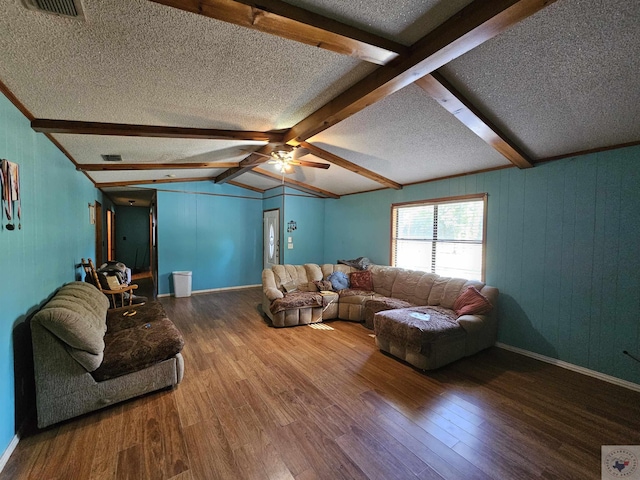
(482,197)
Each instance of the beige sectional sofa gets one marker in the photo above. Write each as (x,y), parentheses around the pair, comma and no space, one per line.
(407,293)
(87,357)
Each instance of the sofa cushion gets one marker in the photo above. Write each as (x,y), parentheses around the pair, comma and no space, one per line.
(472,302)
(72,325)
(423,289)
(136,348)
(437,290)
(383,278)
(329,268)
(290,273)
(361,280)
(87,293)
(308,287)
(451,292)
(404,286)
(289,287)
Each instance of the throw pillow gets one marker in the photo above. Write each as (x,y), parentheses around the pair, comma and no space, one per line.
(289,287)
(323,285)
(472,302)
(339,280)
(361,280)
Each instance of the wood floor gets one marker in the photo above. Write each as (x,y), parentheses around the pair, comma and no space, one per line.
(323,403)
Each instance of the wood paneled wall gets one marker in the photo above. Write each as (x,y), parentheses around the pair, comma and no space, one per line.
(563,247)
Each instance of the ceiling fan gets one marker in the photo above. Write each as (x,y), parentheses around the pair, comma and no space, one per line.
(285,158)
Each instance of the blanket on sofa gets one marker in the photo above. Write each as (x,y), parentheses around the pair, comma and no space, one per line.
(293,300)
(415,328)
(135,342)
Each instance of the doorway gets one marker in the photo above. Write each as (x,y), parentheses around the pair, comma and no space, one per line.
(271,237)
(99,240)
(111,236)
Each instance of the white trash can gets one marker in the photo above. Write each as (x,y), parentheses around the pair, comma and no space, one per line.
(182,284)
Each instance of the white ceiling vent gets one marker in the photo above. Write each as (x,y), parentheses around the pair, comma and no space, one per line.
(111,158)
(66,8)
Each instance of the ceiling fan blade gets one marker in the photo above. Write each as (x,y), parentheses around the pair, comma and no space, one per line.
(306,163)
(300,152)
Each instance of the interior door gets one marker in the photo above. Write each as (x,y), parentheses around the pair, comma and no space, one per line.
(99,241)
(271,236)
(153,247)
(111,236)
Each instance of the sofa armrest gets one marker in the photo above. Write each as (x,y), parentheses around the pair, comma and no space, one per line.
(482,332)
(269,287)
(473,323)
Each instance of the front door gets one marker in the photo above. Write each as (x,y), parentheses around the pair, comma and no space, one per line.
(271,236)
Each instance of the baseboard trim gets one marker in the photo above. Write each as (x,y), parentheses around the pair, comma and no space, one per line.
(211,290)
(570,366)
(7,453)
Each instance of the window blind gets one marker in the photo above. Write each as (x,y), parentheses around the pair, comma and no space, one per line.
(446,237)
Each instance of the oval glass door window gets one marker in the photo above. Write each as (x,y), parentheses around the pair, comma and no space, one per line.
(272,246)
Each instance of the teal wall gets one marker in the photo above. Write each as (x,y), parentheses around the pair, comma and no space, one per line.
(308,238)
(308,213)
(132,236)
(562,246)
(214,231)
(40,257)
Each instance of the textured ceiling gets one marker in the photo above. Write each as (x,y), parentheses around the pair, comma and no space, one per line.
(155,150)
(561,81)
(408,135)
(143,63)
(405,21)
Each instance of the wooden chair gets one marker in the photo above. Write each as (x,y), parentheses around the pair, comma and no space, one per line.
(111,287)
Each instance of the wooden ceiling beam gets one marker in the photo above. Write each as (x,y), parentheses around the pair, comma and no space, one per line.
(157,131)
(452,100)
(341,162)
(102,167)
(245,165)
(473,25)
(126,183)
(294,23)
(296,184)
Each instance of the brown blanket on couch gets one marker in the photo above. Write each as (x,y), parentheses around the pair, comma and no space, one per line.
(296,300)
(415,332)
(135,342)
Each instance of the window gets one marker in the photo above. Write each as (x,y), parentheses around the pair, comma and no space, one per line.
(444,236)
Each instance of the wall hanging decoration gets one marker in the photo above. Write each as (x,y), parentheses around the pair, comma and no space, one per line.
(10,186)
(92,214)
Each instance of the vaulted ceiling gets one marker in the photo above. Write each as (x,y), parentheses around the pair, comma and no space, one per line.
(388,93)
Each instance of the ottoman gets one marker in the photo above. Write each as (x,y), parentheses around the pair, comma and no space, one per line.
(425,337)
(375,305)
